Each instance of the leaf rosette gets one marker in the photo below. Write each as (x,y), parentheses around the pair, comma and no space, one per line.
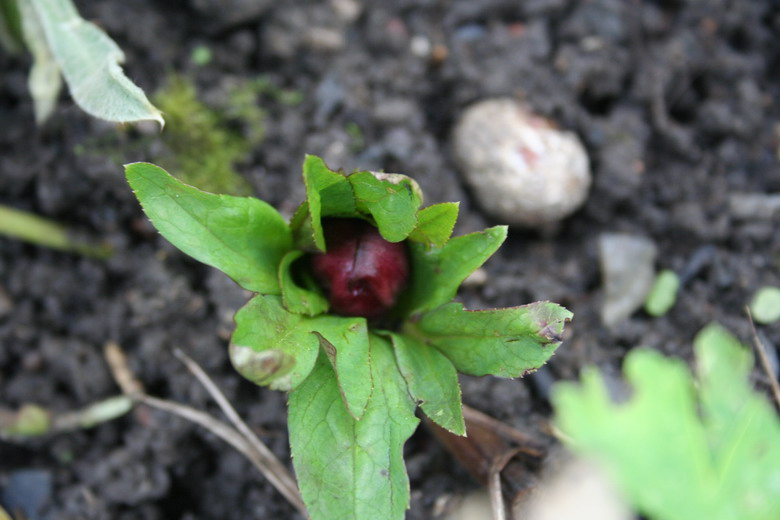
(354,383)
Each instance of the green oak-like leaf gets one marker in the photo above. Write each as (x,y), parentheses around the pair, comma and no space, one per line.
(298,299)
(681,450)
(500,342)
(435,224)
(432,380)
(438,272)
(348,469)
(328,193)
(89,61)
(393,205)
(243,237)
(345,342)
(272,346)
(743,429)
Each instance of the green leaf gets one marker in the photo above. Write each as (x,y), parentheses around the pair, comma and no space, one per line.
(243,237)
(438,272)
(90,60)
(500,342)
(663,294)
(328,193)
(345,342)
(302,230)
(272,346)
(348,469)
(681,450)
(432,380)
(435,223)
(765,306)
(298,299)
(393,205)
(44,81)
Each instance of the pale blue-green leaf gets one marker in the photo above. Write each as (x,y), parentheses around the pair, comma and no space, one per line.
(44,81)
(501,342)
(432,380)
(89,61)
(348,469)
(243,237)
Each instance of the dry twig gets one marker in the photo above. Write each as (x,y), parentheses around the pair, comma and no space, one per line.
(764,358)
(494,483)
(240,436)
(531,444)
(269,465)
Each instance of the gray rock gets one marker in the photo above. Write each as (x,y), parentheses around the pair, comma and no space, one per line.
(27,491)
(230,13)
(395,110)
(348,11)
(6,303)
(325,39)
(522,169)
(628,272)
(754,206)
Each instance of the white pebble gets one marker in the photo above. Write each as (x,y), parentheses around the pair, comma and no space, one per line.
(628,272)
(420,46)
(523,170)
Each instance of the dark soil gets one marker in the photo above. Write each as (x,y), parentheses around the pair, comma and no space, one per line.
(675,100)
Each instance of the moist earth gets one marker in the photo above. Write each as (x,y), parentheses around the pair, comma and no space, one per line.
(675,101)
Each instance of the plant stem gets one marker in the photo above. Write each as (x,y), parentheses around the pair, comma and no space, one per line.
(44,232)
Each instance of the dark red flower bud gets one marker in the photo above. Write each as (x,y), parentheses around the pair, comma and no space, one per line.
(362,273)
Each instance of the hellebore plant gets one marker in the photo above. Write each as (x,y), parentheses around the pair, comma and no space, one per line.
(354,317)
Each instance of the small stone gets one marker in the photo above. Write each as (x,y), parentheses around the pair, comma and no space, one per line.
(476,279)
(439,53)
(420,46)
(574,488)
(473,506)
(627,273)
(6,304)
(27,492)
(347,10)
(324,39)
(523,169)
(754,206)
(395,110)
(231,13)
